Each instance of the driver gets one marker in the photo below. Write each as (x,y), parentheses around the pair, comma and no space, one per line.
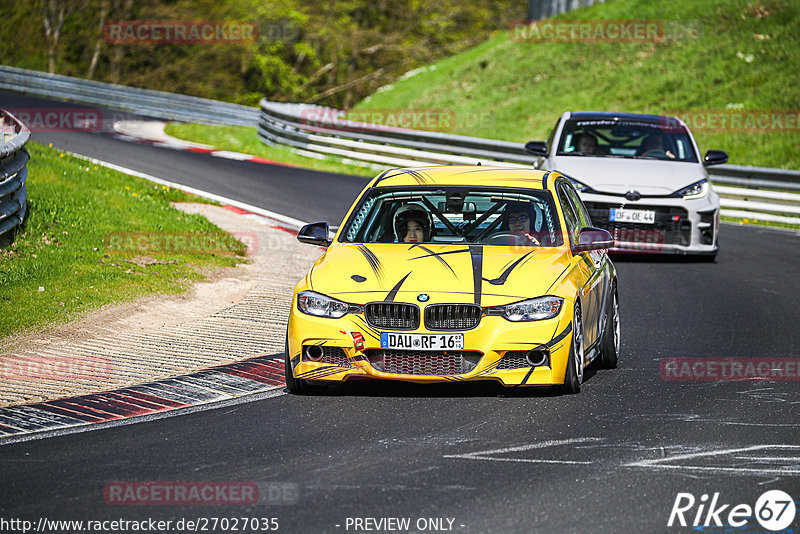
(518,217)
(655,142)
(412,224)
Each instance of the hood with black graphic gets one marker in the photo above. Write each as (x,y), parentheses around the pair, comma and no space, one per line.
(463,273)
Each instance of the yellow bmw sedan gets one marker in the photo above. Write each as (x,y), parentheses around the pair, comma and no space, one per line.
(455,273)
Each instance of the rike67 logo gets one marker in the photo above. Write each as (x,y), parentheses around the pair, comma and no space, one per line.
(774,510)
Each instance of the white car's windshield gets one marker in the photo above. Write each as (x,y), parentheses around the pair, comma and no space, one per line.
(626,138)
(455,215)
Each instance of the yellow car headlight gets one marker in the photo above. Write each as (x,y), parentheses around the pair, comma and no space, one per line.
(536,309)
(320,305)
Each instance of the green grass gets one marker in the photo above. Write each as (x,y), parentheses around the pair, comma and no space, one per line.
(755,221)
(244,139)
(515,91)
(717,55)
(60,265)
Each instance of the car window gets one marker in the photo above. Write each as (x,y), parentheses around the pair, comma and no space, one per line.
(570,217)
(583,215)
(627,138)
(489,216)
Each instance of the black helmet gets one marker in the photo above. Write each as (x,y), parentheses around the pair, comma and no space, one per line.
(412,212)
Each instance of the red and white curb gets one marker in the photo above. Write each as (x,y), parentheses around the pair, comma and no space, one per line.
(247,379)
(152,132)
(214,385)
(244,380)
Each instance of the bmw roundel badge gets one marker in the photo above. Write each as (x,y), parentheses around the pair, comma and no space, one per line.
(423,297)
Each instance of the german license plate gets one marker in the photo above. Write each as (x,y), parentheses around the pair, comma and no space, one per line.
(632,216)
(396,340)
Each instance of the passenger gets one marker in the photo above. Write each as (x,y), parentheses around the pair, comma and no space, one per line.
(412,224)
(586,144)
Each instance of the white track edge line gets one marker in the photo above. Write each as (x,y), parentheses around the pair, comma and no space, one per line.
(285,219)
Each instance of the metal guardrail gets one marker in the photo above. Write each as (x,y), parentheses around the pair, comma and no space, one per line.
(13,174)
(319,131)
(324,131)
(156,104)
(755,177)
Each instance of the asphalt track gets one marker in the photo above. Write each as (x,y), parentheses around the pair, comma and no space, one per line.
(287,190)
(611,459)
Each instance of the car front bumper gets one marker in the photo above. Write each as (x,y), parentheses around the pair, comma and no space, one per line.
(681,226)
(496,347)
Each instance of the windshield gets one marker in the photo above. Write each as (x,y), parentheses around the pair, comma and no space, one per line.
(499,216)
(638,139)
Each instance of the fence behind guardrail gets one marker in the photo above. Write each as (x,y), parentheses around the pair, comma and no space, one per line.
(13,173)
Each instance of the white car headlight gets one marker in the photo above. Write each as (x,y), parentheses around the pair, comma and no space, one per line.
(579,186)
(696,190)
(317,304)
(536,309)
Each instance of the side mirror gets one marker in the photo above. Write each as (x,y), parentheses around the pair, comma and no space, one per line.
(314,234)
(593,239)
(537,148)
(715,157)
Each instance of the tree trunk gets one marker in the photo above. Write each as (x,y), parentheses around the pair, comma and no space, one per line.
(117,51)
(53,20)
(104,9)
(345,86)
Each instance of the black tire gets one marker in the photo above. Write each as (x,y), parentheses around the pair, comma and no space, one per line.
(609,348)
(573,376)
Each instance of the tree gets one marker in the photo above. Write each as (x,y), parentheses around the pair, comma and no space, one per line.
(53,13)
(104,9)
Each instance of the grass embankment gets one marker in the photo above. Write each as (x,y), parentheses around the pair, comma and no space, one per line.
(717,55)
(74,253)
(244,139)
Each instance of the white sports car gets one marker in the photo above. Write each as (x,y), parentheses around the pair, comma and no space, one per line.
(641,177)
